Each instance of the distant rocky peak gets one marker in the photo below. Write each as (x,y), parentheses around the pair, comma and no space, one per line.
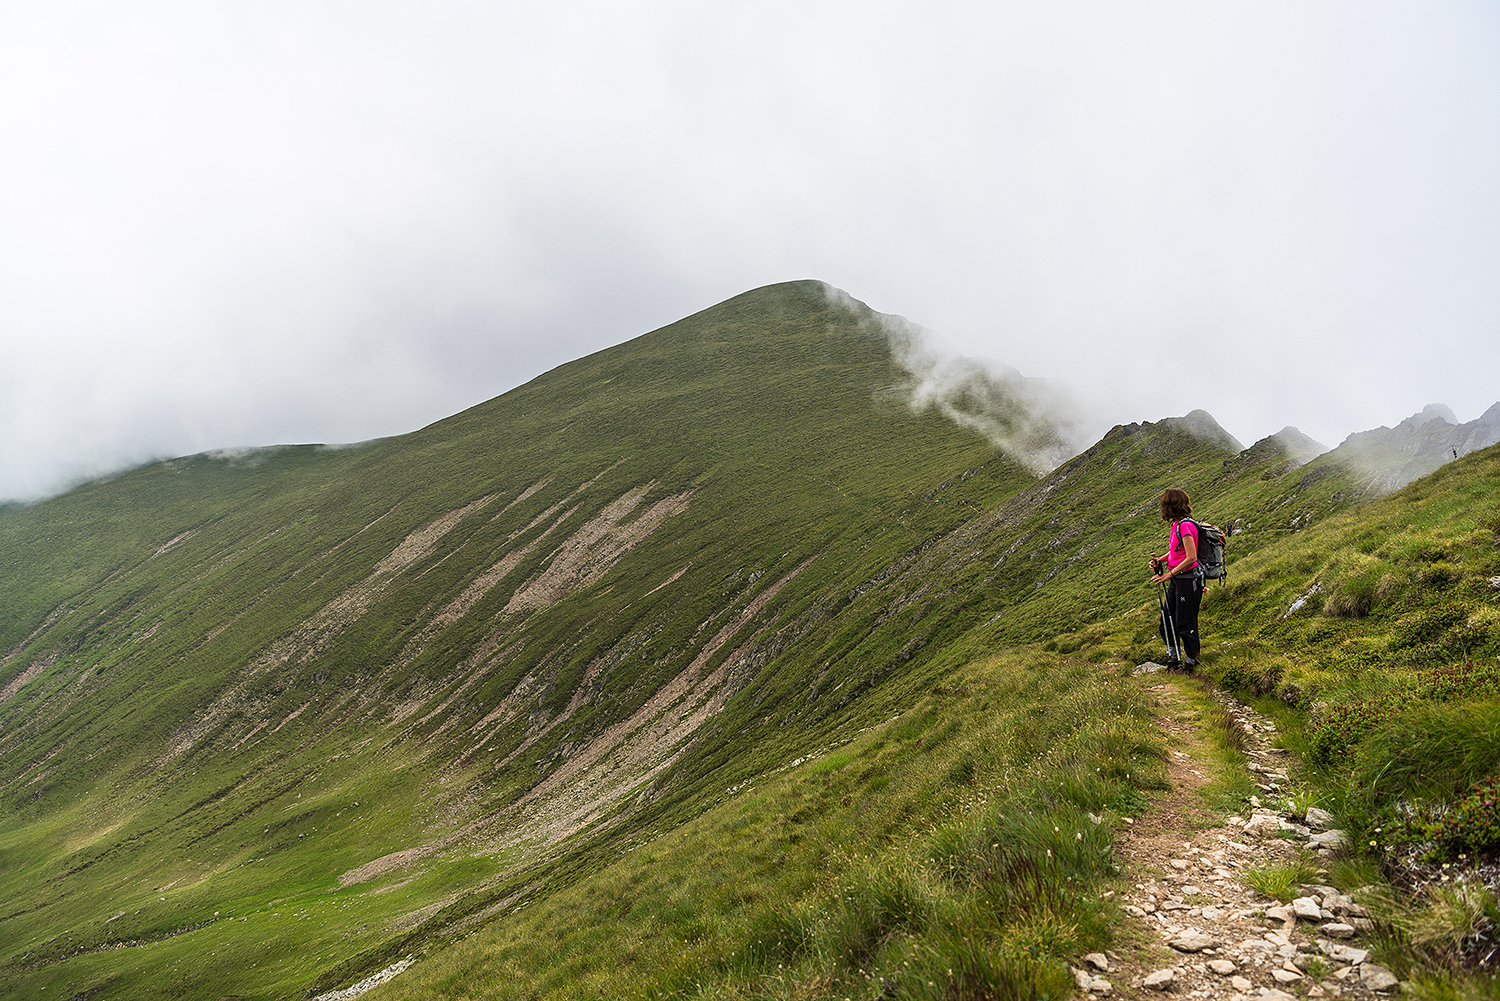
(1389,458)
(1298,446)
(1433,412)
(1201,425)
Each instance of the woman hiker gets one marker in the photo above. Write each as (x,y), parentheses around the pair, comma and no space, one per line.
(1179,570)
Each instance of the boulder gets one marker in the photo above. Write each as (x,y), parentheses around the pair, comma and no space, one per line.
(1222,967)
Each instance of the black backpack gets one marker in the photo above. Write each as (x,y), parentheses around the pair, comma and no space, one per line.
(1210,550)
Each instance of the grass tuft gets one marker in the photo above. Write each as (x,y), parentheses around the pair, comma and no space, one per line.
(1281,880)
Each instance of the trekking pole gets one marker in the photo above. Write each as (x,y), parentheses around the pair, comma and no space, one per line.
(1168,633)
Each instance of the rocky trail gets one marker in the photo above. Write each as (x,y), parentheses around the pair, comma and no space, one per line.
(1196,928)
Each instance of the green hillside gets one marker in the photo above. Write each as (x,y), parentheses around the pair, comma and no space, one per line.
(558,612)
(698,665)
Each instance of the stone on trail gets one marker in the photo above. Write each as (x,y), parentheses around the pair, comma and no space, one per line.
(1161,979)
(1343,953)
(1193,941)
(1222,967)
(1286,976)
(1240,984)
(1307,908)
(1272,994)
(1377,977)
(1098,961)
(1337,929)
(1283,913)
(1318,819)
(1262,824)
(1088,982)
(1318,890)
(1329,839)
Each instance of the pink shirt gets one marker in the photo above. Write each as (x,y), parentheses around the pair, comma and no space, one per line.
(1176,549)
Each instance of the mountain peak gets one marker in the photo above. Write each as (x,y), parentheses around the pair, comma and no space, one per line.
(1298,446)
(1201,425)
(1433,412)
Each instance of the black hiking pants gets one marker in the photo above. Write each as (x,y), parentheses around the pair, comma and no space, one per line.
(1184,597)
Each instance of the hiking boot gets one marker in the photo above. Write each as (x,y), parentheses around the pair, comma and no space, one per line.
(1173,664)
(1190,665)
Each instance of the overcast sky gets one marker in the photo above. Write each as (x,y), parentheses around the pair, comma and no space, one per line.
(247,223)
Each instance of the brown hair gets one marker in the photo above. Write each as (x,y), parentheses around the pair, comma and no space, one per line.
(1175,504)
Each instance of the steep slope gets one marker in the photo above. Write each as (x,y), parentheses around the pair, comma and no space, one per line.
(963,848)
(927,857)
(462,662)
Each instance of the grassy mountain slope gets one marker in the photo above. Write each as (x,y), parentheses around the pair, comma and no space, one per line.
(962,849)
(675,666)
(875,869)
(239,684)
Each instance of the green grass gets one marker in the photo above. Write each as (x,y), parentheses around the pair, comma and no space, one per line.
(1281,880)
(955,836)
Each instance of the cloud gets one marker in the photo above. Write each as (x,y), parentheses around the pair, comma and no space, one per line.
(285,222)
(1035,422)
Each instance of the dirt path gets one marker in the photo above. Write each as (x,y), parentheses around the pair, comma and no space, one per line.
(1195,928)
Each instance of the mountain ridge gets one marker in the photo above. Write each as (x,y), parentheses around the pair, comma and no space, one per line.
(420,681)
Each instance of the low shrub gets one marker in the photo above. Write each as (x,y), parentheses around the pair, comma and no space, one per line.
(1439,575)
(1427,625)
(1344,726)
(1256,677)
(1457,681)
(1469,826)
